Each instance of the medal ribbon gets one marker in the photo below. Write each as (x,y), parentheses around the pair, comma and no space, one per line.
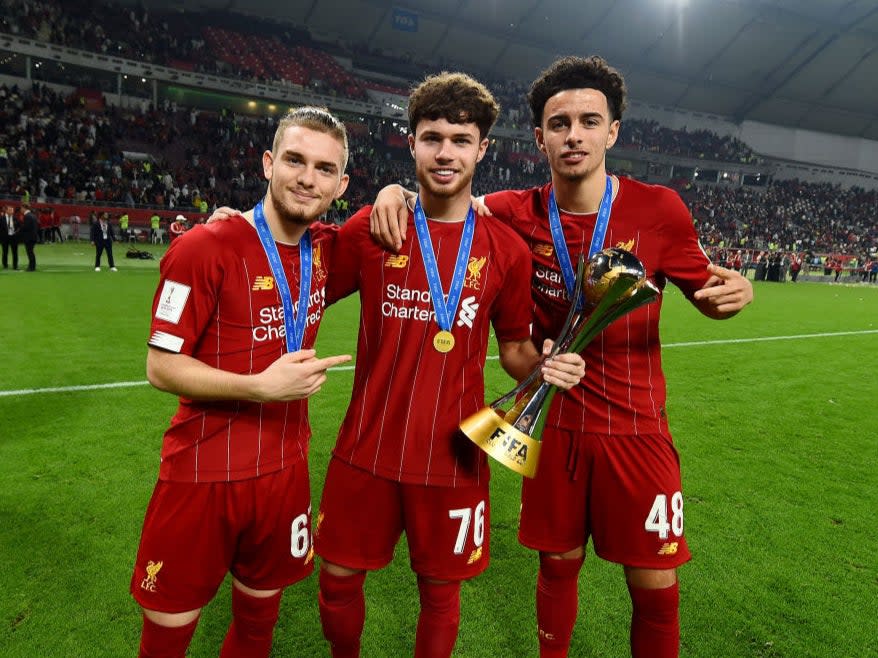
(445,307)
(294,323)
(597,236)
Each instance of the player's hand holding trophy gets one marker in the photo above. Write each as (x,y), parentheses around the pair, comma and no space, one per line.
(609,285)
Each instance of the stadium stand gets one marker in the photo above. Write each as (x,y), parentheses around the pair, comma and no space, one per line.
(77,152)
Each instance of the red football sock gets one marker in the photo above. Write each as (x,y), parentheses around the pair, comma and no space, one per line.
(157,641)
(655,622)
(253,620)
(557,604)
(439,618)
(342,612)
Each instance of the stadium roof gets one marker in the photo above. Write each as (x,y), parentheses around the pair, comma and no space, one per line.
(809,64)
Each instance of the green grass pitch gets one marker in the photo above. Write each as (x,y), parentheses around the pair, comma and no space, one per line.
(777,441)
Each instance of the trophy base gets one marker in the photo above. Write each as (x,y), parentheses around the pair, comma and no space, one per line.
(509,446)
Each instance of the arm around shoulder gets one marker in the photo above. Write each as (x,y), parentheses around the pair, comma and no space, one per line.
(389,216)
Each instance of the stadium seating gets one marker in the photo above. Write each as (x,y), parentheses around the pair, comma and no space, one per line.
(78,150)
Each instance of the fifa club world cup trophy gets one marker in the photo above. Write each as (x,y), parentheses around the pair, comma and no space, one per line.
(609,285)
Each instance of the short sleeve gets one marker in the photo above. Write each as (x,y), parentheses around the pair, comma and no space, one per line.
(501,205)
(513,311)
(344,271)
(185,301)
(683,260)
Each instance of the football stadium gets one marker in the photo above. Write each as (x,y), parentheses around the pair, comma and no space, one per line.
(126,125)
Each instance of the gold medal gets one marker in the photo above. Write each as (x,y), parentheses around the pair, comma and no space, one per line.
(443,341)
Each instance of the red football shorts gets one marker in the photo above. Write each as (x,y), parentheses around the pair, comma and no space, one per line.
(622,491)
(362,517)
(194,533)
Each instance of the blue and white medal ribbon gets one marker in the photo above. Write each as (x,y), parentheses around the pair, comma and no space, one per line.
(597,236)
(445,307)
(294,323)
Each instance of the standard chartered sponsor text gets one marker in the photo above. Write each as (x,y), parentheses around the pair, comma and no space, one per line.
(271,318)
(419,308)
(549,283)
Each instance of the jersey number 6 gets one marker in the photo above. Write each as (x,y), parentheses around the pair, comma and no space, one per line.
(300,538)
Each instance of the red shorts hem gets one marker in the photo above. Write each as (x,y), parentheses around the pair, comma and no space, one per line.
(278,584)
(636,562)
(179,606)
(347,562)
(545,547)
(640,563)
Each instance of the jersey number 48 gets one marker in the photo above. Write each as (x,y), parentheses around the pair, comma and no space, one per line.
(657,520)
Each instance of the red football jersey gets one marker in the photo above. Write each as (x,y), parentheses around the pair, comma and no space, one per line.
(408,398)
(218,302)
(623,391)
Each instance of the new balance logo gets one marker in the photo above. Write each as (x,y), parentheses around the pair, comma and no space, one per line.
(468,308)
(475,556)
(396,260)
(263,283)
(544,250)
(669,548)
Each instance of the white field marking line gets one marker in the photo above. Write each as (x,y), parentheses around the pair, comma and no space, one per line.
(725,341)
(729,341)
(65,389)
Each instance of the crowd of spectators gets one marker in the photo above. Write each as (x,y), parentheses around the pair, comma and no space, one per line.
(131,32)
(651,136)
(790,215)
(211,42)
(780,265)
(57,147)
(181,158)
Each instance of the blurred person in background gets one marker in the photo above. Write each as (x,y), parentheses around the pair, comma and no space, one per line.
(9,234)
(29,234)
(102,237)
